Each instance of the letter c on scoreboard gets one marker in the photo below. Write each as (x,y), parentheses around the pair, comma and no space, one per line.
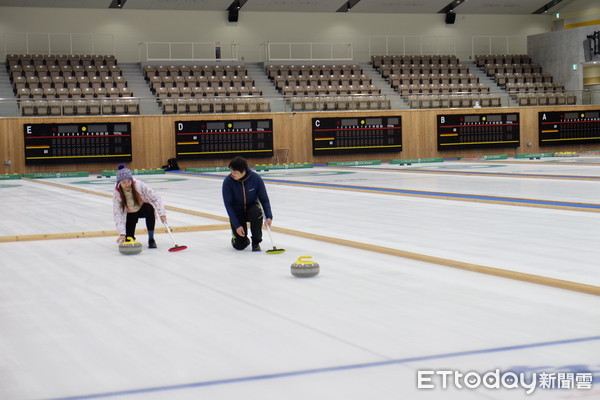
(317,123)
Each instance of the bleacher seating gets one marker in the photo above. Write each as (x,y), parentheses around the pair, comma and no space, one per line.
(204,89)
(434,81)
(68,84)
(83,84)
(523,80)
(326,87)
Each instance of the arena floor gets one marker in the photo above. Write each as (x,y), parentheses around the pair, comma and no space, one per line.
(427,271)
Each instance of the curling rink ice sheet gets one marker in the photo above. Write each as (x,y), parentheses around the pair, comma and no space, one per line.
(394,313)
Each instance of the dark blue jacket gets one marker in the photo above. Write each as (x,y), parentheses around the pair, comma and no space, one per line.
(237,195)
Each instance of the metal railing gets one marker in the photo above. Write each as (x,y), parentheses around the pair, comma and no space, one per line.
(187,51)
(326,102)
(57,43)
(278,52)
(498,45)
(411,45)
(436,45)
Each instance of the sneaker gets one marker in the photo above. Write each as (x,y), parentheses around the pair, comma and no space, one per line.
(151,244)
(256,247)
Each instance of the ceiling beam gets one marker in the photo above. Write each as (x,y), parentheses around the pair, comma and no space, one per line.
(117,4)
(451,7)
(236,5)
(546,7)
(348,6)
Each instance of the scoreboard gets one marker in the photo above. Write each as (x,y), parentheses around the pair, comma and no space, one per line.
(466,131)
(356,135)
(77,143)
(224,139)
(569,127)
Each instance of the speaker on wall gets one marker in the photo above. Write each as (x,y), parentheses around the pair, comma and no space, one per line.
(588,50)
(233,15)
(450,17)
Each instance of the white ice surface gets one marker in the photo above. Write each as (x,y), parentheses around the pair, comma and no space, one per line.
(78,319)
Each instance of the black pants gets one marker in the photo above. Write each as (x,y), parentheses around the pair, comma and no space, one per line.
(147,212)
(254,216)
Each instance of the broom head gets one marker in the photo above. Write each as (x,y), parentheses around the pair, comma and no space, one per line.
(177,248)
(275,250)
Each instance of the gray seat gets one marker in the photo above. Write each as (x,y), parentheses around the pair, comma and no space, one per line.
(168,106)
(55,107)
(107,106)
(41,107)
(27,107)
(119,106)
(93,107)
(81,107)
(133,106)
(68,107)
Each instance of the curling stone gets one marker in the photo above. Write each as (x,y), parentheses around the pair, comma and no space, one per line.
(305,267)
(130,247)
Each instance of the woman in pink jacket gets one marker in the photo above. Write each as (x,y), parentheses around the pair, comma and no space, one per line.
(134,200)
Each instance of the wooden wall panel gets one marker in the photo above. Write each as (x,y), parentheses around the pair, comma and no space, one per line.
(420,136)
(9,147)
(151,143)
(154,137)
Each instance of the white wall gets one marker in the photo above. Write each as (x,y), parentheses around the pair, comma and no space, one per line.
(131,27)
(559,51)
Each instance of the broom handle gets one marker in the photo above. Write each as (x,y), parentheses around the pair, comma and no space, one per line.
(264,220)
(270,237)
(169,232)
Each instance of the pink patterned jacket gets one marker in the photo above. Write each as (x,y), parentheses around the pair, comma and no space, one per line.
(147,194)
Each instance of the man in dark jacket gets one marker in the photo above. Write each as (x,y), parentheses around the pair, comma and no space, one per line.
(243,194)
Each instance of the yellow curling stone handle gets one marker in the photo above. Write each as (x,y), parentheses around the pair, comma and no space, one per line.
(130,241)
(304,260)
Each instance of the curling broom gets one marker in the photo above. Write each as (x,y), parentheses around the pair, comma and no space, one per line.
(274,250)
(176,247)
